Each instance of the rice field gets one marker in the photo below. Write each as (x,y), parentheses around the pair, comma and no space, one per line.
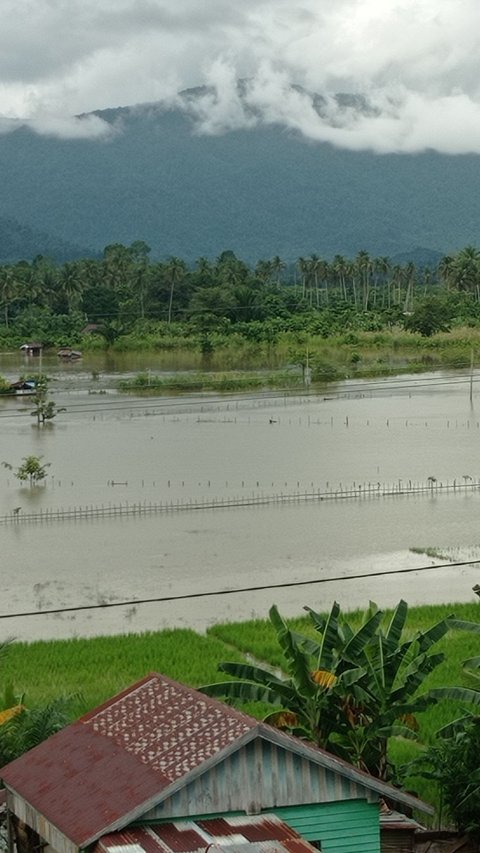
(99,667)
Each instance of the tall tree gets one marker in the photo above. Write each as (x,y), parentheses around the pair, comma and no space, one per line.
(70,284)
(175,271)
(10,289)
(466,271)
(364,265)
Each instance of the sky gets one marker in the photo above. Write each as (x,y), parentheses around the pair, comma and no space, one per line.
(416,63)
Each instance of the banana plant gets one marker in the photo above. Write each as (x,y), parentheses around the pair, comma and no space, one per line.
(386,701)
(304,697)
(348,690)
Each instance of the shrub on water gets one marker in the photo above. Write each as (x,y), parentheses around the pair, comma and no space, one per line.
(324,372)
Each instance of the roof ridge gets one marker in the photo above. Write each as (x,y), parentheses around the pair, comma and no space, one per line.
(226,710)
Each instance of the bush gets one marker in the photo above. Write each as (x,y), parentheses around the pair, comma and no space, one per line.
(453,763)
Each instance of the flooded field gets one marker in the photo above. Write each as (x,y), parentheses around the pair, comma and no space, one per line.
(109,450)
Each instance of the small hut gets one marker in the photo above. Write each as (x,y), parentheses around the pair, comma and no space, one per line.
(32,348)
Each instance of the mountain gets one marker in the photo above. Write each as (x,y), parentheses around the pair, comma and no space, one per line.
(261,192)
(20,242)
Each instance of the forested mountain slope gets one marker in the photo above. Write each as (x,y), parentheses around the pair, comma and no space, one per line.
(260,192)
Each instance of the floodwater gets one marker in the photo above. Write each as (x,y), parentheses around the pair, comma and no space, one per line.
(112,449)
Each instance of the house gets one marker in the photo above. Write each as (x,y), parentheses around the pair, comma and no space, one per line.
(69,354)
(23,387)
(32,348)
(161,758)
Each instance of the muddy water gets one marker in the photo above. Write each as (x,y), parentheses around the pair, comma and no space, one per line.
(111,449)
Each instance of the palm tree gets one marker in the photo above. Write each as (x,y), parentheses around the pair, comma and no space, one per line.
(46,280)
(395,284)
(381,269)
(409,274)
(70,284)
(339,267)
(174,270)
(278,266)
(117,264)
(319,271)
(230,269)
(204,269)
(364,265)
(9,289)
(445,270)
(264,270)
(303,265)
(466,270)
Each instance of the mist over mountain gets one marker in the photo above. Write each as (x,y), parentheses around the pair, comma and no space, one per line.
(261,190)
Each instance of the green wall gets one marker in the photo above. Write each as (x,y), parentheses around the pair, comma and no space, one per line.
(350,826)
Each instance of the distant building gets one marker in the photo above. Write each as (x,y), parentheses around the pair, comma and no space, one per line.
(23,387)
(69,354)
(32,348)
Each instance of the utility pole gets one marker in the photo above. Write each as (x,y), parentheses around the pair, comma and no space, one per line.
(307,374)
(471,376)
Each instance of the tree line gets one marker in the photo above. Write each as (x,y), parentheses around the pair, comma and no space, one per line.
(125,289)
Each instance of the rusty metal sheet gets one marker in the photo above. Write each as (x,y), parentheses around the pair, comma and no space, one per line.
(256,834)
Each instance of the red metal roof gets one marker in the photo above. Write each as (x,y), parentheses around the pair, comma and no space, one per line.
(265,833)
(98,770)
(167,726)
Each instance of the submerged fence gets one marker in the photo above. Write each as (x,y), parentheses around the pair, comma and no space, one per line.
(366,491)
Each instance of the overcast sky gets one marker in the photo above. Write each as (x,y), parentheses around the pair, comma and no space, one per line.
(417,62)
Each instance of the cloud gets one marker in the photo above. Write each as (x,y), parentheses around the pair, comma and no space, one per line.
(87,126)
(72,127)
(414,62)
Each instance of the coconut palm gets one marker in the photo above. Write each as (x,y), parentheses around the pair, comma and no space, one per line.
(10,289)
(364,265)
(70,284)
(278,266)
(175,271)
(445,270)
(339,268)
(466,271)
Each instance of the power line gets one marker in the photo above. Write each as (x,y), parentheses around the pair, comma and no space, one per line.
(222,592)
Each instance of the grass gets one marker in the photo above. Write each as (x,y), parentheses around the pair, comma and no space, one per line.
(236,364)
(100,667)
(217,382)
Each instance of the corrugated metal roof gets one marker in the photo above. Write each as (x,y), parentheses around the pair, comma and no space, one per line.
(124,757)
(167,726)
(96,771)
(391,819)
(257,834)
